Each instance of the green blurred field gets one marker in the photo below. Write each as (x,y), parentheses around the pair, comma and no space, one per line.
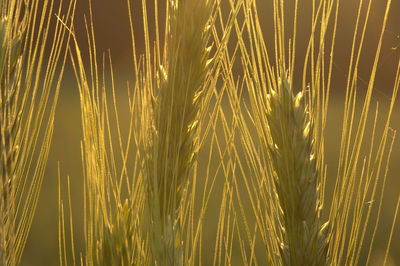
(42,246)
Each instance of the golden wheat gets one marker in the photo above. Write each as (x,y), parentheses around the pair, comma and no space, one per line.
(295,175)
(286,172)
(172,147)
(151,220)
(30,67)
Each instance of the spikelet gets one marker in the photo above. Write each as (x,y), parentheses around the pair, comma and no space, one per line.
(295,177)
(115,247)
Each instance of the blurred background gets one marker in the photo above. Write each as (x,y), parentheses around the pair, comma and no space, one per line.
(112,32)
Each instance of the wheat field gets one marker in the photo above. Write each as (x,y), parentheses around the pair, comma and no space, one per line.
(199,133)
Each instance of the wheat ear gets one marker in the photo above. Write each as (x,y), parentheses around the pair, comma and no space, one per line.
(10,70)
(295,176)
(30,68)
(174,133)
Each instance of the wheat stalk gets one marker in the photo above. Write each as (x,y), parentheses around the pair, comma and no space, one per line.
(173,144)
(283,164)
(11,51)
(294,168)
(27,109)
(172,99)
(285,156)
(112,214)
